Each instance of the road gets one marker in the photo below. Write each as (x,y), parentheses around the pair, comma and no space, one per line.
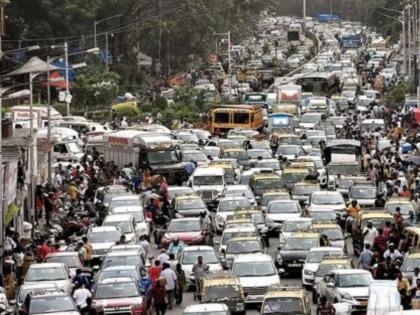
(292,281)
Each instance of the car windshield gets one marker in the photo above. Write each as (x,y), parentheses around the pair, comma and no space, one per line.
(222,293)
(179,226)
(267,198)
(196,156)
(269,183)
(243,247)
(304,189)
(323,269)
(111,194)
(300,243)
(310,118)
(190,257)
(260,145)
(106,274)
(238,155)
(294,177)
(162,157)
(283,305)
(323,215)
(283,207)
(362,193)
(132,260)
(254,269)
(354,280)
(335,169)
(288,150)
(172,193)
(124,203)
(255,154)
(125,226)
(293,226)
(275,165)
(74,148)
(115,291)
(409,264)
(208,180)
(51,304)
(317,256)
(333,234)
(194,203)
(46,274)
(69,261)
(232,205)
(404,207)
(327,199)
(239,192)
(104,237)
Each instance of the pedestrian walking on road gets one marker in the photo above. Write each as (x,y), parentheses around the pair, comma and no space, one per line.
(159,298)
(171,283)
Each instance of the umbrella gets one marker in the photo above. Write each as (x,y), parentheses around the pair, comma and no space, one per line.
(415,159)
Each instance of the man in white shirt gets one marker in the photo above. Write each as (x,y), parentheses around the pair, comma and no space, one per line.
(171,283)
(80,295)
(369,234)
(146,246)
(163,257)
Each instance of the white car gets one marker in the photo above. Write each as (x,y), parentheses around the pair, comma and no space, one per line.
(124,201)
(279,211)
(310,120)
(207,309)
(312,261)
(208,182)
(240,190)
(127,223)
(188,257)
(226,207)
(102,239)
(293,225)
(346,286)
(256,272)
(55,273)
(142,225)
(327,201)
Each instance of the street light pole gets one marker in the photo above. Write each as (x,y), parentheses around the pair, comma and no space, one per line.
(95,25)
(49,120)
(31,150)
(304,12)
(404,43)
(409,42)
(66,57)
(106,50)
(230,68)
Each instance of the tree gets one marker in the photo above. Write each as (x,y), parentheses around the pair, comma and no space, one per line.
(96,88)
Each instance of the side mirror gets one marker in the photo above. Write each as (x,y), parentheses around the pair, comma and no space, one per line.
(280,271)
(330,284)
(217,243)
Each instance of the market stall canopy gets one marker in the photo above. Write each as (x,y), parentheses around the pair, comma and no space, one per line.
(33,65)
(57,81)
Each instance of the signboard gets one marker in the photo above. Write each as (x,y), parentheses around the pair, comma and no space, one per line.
(10,182)
(23,114)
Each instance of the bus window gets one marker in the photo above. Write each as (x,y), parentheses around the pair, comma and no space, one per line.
(252,118)
(241,118)
(221,118)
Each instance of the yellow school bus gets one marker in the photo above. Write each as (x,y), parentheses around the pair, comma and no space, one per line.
(227,117)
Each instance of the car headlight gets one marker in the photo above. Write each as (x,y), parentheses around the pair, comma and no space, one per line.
(269,221)
(219,218)
(309,273)
(346,296)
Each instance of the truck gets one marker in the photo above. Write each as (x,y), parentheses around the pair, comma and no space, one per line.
(351,42)
(289,93)
(152,151)
(21,116)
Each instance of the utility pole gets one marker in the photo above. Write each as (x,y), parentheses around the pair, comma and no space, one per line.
(304,13)
(404,43)
(106,50)
(230,68)
(1,143)
(409,43)
(66,58)
(160,35)
(31,148)
(49,120)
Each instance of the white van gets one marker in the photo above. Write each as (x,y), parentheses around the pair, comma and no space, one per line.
(208,182)
(383,297)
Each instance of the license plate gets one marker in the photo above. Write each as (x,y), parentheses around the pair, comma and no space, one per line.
(295,265)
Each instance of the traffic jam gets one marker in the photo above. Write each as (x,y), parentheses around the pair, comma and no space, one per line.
(300,195)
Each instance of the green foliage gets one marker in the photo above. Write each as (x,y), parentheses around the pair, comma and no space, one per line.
(396,95)
(159,103)
(61,108)
(128,109)
(96,88)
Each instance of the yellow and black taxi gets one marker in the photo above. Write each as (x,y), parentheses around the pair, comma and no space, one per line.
(188,205)
(406,207)
(291,256)
(285,300)
(241,244)
(230,176)
(410,262)
(274,194)
(263,182)
(223,288)
(292,175)
(332,230)
(238,154)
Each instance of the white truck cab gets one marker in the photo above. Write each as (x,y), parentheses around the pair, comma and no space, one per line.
(208,182)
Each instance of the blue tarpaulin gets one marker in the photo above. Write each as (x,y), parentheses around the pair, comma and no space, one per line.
(62,65)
